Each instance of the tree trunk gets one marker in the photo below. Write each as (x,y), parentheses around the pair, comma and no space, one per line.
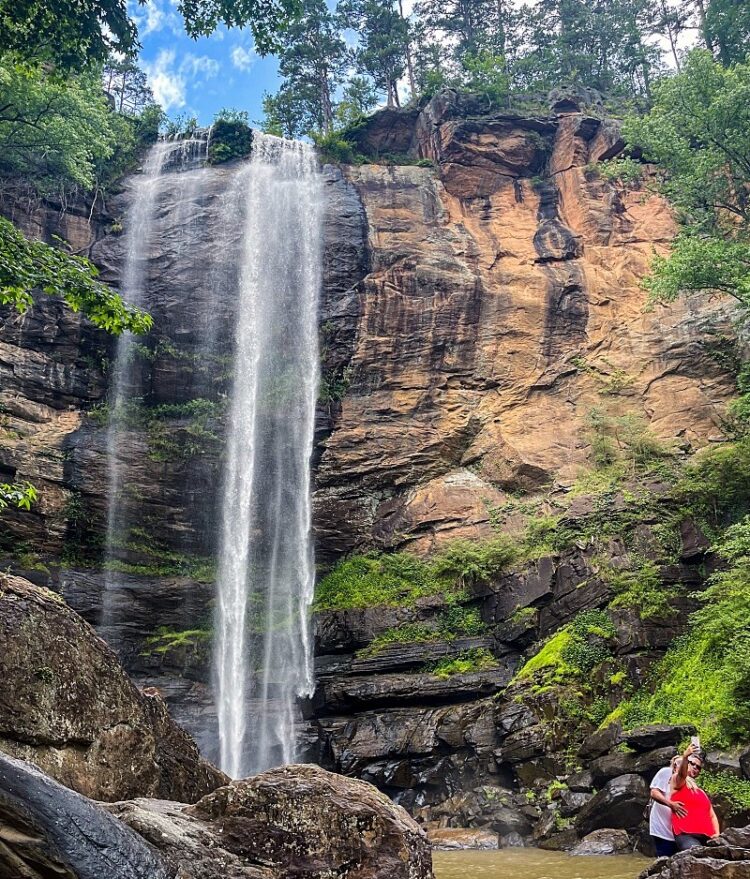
(409,64)
(704,26)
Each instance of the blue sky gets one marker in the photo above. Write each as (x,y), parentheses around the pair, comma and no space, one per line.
(199,77)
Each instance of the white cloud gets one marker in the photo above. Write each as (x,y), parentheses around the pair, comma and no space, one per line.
(167,83)
(195,66)
(242,58)
(169,78)
(154,16)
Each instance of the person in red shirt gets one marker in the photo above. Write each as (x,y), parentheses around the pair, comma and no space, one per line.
(699,823)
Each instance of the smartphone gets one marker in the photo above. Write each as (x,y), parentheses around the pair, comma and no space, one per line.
(695,741)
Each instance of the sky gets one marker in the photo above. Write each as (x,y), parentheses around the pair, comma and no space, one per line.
(200,77)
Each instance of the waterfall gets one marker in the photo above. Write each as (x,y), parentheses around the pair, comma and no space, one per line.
(184,156)
(211,250)
(266,574)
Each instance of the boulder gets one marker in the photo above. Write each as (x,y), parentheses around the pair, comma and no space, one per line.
(572,802)
(726,857)
(563,841)
(656,735)
(600,742)
(452,838)
(297,821)
(619,804)
(581,782)
(623,763)
(745,763)
(603,842)
(67,705)
(48,830)
(721,761)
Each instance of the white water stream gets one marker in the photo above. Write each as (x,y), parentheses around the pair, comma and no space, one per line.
(266,573)
(261,253)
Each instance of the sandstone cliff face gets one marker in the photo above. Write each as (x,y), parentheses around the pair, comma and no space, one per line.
(502,305)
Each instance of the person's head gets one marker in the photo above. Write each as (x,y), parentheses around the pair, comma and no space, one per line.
(675,763)
(695,764)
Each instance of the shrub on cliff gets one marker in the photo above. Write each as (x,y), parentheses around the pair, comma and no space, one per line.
(231,137)
(401,578)
(698,133)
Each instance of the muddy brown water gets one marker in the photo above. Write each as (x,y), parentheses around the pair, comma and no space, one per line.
(534,864)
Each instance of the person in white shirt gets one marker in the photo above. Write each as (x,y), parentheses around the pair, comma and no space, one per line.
(660,819)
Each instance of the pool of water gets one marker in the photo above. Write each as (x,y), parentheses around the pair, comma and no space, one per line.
(529,863)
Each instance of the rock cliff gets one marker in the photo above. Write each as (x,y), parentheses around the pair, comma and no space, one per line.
(483,333)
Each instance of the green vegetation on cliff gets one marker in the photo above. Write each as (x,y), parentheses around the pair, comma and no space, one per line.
(705,677)
(401,578)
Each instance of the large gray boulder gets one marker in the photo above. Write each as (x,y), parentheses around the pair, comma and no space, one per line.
(726,857)
(298,821)
(619,804)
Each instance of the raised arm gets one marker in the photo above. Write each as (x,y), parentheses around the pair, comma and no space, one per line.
(679,779)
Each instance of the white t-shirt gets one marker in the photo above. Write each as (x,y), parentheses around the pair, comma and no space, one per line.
(660,819)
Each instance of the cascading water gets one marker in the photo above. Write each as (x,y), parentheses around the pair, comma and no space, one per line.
(266,574)
(206,248)
(184,156)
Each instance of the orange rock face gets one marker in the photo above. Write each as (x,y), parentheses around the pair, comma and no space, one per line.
(503,305)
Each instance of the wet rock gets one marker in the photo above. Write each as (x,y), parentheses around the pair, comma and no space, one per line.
(49,830)
(604,842)
(598,743)
(452,838)
(619,804)
(572,802)
(622,763)
(726,857)
(582,782)
(656,735)
(359,692)
(68,706)
(516,591)
(563,841)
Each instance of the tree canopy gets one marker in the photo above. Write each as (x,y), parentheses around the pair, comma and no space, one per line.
(698,134)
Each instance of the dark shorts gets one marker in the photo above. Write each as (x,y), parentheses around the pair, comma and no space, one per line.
(684,841)
(665,848)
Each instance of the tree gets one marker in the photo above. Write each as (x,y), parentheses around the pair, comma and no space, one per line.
(358,98)
(699,134)
(456,28)
(54,132)
(312,59)
(26,266)
(69,34)
(383,35)
(127,86)
(72,34)
(727,28)
(595,43)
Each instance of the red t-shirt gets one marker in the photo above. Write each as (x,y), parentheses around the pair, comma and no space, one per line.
(698,818)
